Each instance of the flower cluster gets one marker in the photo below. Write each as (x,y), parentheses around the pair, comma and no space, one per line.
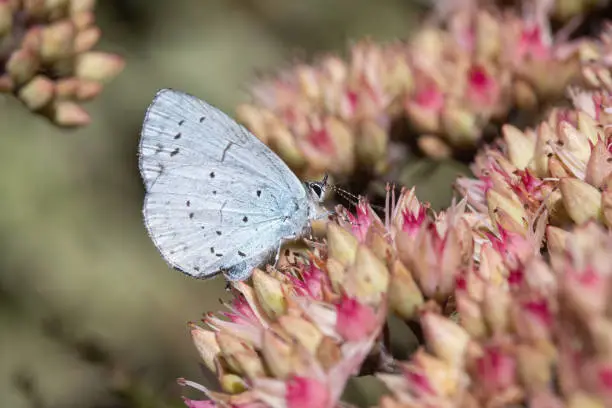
(502,324)
(293,338)
(510,288)
(297,333)
(559,10)
(597,62)
(47,59)
(530,333)
(565,10)
(425,251)
(450,82)
(562,166)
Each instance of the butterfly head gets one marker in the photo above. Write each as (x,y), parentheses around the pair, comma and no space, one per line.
(317,190)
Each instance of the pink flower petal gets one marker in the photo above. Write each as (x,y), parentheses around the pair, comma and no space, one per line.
(305,393)
(355,321)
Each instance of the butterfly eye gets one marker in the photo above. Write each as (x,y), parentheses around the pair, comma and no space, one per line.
(317,190)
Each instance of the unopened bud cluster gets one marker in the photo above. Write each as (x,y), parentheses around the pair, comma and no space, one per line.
(47,57)
(450,82)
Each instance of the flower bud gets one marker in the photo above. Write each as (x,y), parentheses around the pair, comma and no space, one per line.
(69,114)
(599,165)
(520,146)
(582,201)
(342,245)
(22,66)
(355,321)
(369,277)
(98,66)
(37,93)
(446,339)
(57,41)
(206,344)
(371,144)
(405,297)
(269,293)
(302,330)
(460,126)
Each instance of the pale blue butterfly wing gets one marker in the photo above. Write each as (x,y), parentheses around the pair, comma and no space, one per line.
(217,198)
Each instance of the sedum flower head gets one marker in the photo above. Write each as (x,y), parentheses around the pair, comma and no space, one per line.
(595,68)
(423,251)
(47,57)
(508,289)
(450,81)
(297,333)
(561,167)
(539,336)
(501,324)
(292,338)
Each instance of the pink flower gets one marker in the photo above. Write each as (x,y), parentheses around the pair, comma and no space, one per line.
(496,370)
(419,382)
(240,312)
(430,97)
(355,321)
(199,403)
(532,43)
(362,220)
(413,221)
(534,319)
(305,392)
(319,139)
(483,88)
(587,290)
(311,282)
(514,248)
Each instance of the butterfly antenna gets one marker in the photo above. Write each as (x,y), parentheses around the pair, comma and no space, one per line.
(347,196)
(345,193)
(352,198)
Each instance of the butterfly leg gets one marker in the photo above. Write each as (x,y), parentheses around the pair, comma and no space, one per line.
(325,214)
(282,243)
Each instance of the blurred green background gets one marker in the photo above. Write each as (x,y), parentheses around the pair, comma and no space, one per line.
(90,315)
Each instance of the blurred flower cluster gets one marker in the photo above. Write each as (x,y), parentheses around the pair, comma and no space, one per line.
(47,59)
(565,10)
(457,76)
(559,10)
